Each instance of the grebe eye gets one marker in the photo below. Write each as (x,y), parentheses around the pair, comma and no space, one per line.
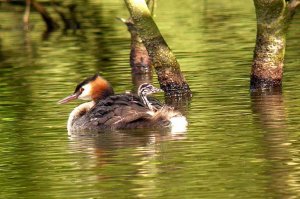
(81,90)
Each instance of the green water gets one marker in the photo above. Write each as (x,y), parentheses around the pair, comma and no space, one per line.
(236,145)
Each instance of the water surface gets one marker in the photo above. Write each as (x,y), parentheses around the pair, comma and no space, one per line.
(237,145)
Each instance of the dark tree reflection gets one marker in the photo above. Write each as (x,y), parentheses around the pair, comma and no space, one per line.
(270,114)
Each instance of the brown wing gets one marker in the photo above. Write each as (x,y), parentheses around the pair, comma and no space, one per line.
(119,111)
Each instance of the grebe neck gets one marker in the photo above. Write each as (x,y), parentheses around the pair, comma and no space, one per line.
(78,112)
(144,90)
(147,103)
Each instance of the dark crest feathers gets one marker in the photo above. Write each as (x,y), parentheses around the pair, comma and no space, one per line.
(87,80)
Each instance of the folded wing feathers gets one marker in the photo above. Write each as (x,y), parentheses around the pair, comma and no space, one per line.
(127,111)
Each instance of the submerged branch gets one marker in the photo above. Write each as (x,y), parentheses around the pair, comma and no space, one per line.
(70,22)
(51,24)
(27,13)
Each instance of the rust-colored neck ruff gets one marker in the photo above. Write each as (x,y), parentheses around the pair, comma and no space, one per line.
(100,89)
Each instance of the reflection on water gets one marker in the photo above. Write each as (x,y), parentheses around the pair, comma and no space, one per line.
(121,155)
(238,145)
(103,144)
(271,115)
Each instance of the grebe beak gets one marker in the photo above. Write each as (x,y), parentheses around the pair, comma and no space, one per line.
(154,90)
(69,98)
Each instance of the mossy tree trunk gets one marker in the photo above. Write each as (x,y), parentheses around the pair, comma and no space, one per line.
(273,19)
(163,60)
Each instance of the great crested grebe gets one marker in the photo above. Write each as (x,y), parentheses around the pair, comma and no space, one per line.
(122,111)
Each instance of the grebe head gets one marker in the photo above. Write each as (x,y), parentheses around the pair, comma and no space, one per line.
(92,88)
(147,89)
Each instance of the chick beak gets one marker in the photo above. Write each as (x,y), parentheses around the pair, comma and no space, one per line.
(69,98)
(157,90)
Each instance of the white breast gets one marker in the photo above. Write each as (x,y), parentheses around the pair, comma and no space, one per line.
(77,112)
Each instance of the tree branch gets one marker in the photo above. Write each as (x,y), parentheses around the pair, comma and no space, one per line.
(164,61)
(293,5)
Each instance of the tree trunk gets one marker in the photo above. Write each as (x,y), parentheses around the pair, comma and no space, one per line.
(139,58)
(273,19)
(163,60)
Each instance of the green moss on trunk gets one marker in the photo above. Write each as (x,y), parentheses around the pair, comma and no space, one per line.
(273,19)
